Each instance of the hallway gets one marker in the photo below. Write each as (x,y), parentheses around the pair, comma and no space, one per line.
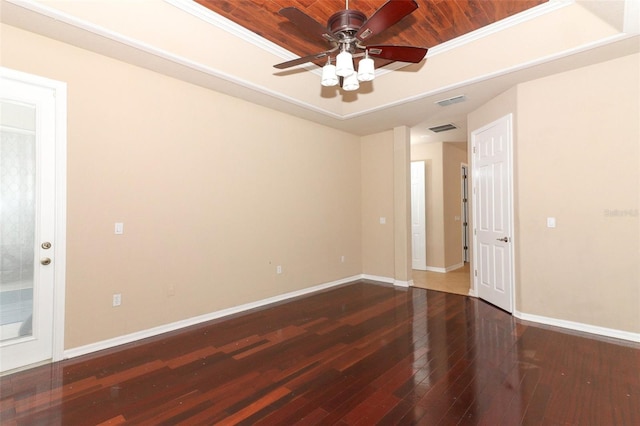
(456,281)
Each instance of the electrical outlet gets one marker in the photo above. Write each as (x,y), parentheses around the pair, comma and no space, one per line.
(117,299)
(278,269)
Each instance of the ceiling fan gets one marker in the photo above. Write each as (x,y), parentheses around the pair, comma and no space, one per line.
(347,32)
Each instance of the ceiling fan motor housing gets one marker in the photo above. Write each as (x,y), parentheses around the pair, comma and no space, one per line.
(346,21)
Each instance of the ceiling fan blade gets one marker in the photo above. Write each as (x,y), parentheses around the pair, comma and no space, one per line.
(307,24)
(304,59)
(398,53)
(389,13)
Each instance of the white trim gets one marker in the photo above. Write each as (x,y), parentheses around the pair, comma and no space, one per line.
(129,338)
(552,5)
(496,27)
(406,284)
(444,270)
(60,250)
(578,326)
(491,75)
(378,278)
(89,27)
(219,21)
(631,23)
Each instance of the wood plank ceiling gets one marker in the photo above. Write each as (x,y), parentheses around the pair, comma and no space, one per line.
(433,23)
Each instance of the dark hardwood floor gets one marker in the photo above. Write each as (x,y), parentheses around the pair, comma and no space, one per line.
(362,353)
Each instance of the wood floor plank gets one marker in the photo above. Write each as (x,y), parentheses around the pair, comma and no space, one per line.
(359,354)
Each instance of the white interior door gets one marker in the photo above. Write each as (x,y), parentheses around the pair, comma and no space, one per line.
(28,222)
(418,216)
(492,178)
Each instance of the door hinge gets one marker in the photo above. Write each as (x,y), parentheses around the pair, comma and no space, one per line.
(474,232)
(475,273)
(474,149)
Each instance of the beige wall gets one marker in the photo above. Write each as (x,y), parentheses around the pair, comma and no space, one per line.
(576,152)
(377,166)
(214,193)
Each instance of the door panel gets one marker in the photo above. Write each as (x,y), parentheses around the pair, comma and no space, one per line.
(493,214)
(27,218)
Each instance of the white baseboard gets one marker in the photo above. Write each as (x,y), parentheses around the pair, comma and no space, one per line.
(578,326)
(378,278)
(403,283)
(143,334)
(444,270)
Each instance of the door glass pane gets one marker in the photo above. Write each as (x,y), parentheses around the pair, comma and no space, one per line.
(17,218)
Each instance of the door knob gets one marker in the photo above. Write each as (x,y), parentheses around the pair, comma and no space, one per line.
(505,239)
(45,261)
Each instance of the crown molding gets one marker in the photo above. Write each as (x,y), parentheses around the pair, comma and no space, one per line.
(213,18)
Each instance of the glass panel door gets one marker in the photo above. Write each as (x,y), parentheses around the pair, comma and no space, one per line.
(17,218)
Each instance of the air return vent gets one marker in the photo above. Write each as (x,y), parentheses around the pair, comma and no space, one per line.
(442,128)
(454,100)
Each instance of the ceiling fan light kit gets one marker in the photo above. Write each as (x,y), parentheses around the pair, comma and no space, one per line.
(351,83)
(344,64)
(366,69)
(329,76)
(346,31)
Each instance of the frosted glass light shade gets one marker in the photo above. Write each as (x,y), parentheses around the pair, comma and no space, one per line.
(344,64)
(351,83)
(329,77)
(366,71)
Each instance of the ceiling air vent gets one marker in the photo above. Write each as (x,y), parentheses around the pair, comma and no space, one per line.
(454,100)
(442,128)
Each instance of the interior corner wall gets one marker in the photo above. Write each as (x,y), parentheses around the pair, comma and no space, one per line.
(578,149)
(576,156)
(213,191)
(377,166)
(431,154)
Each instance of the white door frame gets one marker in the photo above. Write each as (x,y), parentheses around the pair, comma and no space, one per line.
(510,173)
(420,203)
(59,248)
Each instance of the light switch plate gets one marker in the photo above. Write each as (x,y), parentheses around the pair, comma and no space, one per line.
(551,222)
(119,228)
